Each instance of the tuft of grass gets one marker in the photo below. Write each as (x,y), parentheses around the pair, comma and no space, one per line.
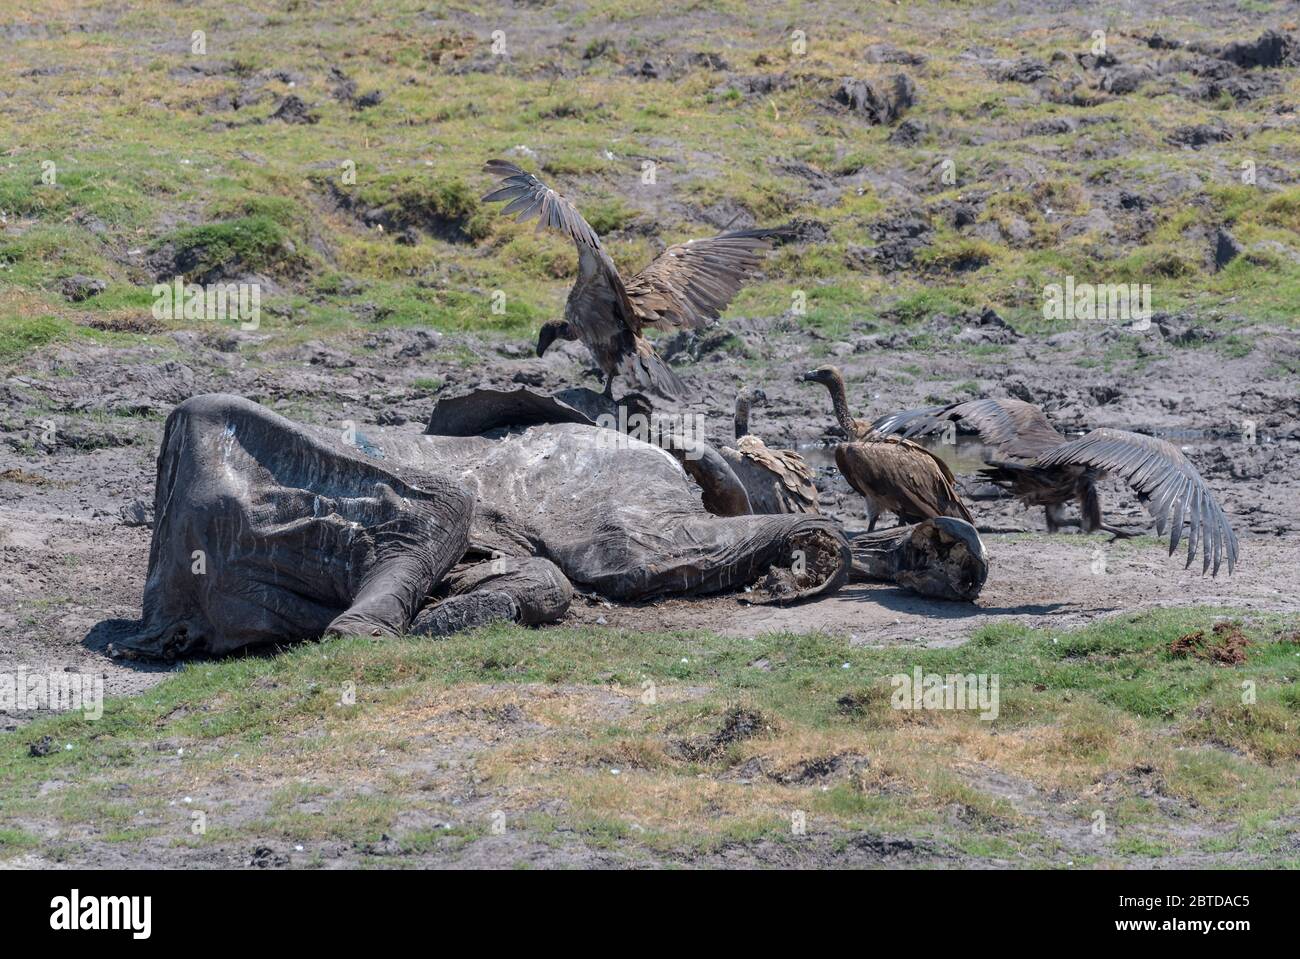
(20,335)
(248,244)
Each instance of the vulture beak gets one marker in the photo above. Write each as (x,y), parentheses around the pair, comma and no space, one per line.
(546,337)
(758,396)
(812,376)
(552,331)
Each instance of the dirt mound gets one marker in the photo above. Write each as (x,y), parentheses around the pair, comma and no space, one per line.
(1226,648)
(443,215)
(878,104)
(293,110)
(1271,49)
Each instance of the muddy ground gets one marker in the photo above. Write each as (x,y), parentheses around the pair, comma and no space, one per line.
(75,548)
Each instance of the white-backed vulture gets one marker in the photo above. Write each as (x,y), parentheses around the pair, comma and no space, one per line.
(1041,467)
(893,474)
(688,285)
(777,481)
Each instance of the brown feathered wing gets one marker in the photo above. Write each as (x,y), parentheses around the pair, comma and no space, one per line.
(1169,486)
(1016,429)
(789,468)
(690,284)
(905,478)
(599,294)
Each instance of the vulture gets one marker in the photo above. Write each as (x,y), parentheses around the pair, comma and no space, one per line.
(688,285)
(894,474)
(777,481)
(1041,467)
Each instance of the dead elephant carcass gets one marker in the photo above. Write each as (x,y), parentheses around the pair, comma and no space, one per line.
(268,531)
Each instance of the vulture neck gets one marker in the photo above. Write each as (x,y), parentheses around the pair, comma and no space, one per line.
(840,400)
(742,416)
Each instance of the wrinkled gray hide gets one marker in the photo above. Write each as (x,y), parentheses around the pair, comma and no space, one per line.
(266,531)
(480,411)
(301,533)
(527,590)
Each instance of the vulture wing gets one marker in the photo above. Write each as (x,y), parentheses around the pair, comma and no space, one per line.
(529,197)
(914,449)
(599,297)
(1017,429)
(929,419)
(794,474)
(1167,484)
(691,283)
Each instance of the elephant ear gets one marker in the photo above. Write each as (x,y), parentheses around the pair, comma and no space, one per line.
(479,410)
(1168,485)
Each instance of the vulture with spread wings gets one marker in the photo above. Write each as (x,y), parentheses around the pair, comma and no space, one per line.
(688,285)
(1043,468)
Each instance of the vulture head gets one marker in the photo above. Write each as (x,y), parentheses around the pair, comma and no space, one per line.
(825,375)
(745,399)
(555,329)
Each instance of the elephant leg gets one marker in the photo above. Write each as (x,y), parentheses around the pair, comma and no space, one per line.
(527,590)
(786,557)
(941,557)
(457,614)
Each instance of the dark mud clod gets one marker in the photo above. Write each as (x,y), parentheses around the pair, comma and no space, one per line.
(876,104)
(1227,647)
(737,725)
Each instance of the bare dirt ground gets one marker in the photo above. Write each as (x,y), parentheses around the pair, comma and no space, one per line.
(1036,581)
(75,551)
